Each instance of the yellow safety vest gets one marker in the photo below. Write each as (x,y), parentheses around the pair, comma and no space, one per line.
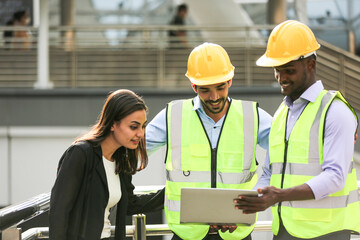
(298,160)
(190,161)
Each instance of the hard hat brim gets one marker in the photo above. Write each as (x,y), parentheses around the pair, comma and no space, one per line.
(265,61)
(212,80)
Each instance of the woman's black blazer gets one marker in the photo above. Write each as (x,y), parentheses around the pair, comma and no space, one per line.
(80,195)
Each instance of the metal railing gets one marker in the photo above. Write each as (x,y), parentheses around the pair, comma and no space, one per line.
(12,216)
(134,56)
(18,213)
(340,70)
(138,231)
(145,56)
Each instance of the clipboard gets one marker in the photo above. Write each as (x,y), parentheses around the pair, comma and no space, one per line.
(214,206)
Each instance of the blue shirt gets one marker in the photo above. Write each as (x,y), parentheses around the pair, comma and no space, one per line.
(156,130)
(340,126)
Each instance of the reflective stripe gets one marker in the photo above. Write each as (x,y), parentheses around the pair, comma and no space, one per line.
(172,205)
(308,169)
(175,134)
(314,131)
(248,126)
(192,176)
(328,202)
(205,176)
(234,178)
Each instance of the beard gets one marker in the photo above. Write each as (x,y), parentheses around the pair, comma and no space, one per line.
(210,108)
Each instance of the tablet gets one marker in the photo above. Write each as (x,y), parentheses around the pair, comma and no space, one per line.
(213,206)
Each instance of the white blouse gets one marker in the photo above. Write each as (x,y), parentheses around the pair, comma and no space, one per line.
(114,186)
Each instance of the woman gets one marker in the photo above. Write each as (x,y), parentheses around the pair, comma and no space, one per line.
(94,174)
(22,38)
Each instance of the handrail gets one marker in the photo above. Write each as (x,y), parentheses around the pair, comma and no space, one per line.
(93,27)
(17,213)
(151,230)
(14,214)
(146,58)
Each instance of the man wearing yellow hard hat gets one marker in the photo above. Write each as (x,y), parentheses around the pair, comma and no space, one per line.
(211,140)
(313,190)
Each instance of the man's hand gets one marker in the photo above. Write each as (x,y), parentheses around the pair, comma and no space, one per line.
(268,196)
(223,228)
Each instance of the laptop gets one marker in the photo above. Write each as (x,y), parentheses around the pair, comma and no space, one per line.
(214,206)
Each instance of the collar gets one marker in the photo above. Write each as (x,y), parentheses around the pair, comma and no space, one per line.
(197,104)
(309,95)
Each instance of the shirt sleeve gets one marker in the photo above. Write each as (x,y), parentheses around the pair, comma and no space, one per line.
(156,132)
(340,126)
(264,129)
(263,140)
(143,203)
(264,180)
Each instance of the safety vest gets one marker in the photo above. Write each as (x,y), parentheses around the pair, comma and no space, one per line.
(190,161)
(299,159)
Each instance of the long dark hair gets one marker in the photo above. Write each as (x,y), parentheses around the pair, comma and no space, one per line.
(118,105)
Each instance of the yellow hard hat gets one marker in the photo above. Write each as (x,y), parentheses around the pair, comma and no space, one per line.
(209,64)
(288,41)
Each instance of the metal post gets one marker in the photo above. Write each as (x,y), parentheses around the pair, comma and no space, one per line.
(161,67)
(300,7)
(139,221)
(67,17)
(43,80)
(11,234)
(350,27)
(276,11)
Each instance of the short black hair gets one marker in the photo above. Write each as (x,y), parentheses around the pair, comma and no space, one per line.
(313,56)
(182,7)
(18,15)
